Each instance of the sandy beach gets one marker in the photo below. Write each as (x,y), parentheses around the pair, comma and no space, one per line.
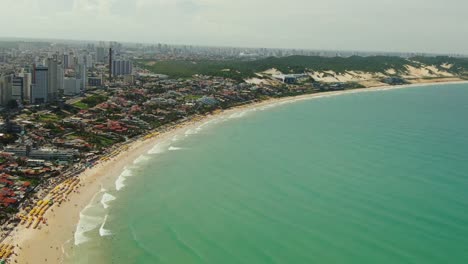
(47,244)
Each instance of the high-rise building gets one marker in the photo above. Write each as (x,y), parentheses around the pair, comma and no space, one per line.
(5,89)
(40,86)
(52,91)
(66,61)
(89,61)
(17,88)
(3,58)
(27,81)
(60,78)
(110,64)
(121,67)
(72,86)
(55,78)
(82,75)
(81,59)
(76,63)
(101,54)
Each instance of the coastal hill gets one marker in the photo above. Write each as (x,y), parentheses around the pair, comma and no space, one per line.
(367,71)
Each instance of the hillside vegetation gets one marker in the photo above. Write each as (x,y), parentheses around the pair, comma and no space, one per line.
(240,69)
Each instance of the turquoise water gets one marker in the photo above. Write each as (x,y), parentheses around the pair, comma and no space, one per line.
(377,177)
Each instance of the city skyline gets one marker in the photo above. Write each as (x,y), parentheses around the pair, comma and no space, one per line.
(394,26)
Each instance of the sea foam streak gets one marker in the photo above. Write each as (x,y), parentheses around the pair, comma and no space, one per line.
(171,148)
(141,159)
(158,149)
(190,132)
(238,114)
(127,172)
(193,131)
(102,231)
(120,182)
(106,198)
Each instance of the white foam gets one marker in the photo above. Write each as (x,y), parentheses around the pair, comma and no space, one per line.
(106,199)
(157,149)
(190,132)
(85,224)
(287,102)
(175,138)
(266,107)
(102,231)
(238,114)
(120,182)
(127,172)
(141,159)
(171,148)
(215,120)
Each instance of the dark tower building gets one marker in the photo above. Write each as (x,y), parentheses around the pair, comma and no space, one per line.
(110,64)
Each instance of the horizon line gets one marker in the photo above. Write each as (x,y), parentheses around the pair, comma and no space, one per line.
(387,53)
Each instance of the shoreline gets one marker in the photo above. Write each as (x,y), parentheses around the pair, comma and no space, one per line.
(62,221)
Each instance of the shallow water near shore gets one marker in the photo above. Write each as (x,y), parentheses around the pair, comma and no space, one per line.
(376,177)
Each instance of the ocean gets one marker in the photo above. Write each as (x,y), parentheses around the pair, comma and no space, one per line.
(373,177)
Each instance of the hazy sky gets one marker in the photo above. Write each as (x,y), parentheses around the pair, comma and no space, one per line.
(384,25)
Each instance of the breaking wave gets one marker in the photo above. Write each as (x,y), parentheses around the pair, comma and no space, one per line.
(86,223)
(158,148)
(102,230)
(106,198)
(92,217)
(120,182)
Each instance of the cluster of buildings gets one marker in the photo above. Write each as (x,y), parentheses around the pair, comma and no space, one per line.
(37,74)
(121,67)
(75,104)
(42,82)
(171,52)
(49,142)
(68,105)
(19,177)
